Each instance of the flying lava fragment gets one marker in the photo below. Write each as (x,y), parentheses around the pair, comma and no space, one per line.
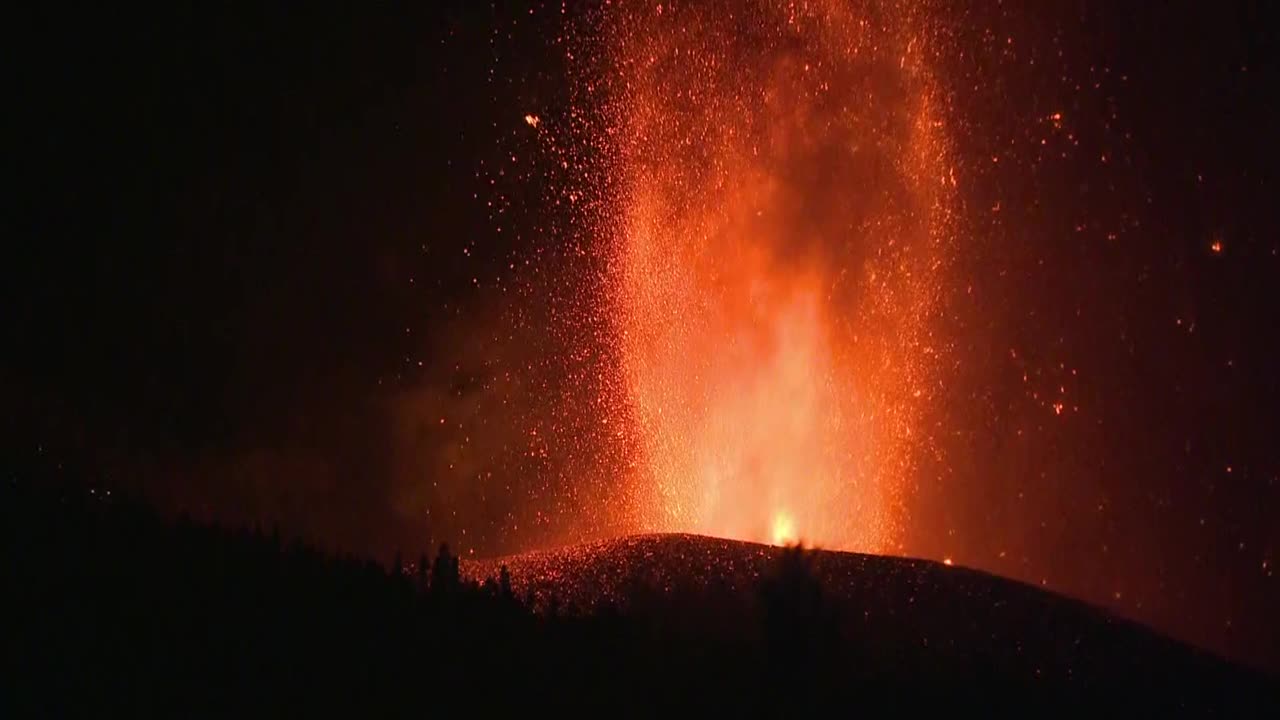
(780,227)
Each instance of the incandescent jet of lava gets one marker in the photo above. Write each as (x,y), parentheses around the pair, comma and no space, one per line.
(780,226)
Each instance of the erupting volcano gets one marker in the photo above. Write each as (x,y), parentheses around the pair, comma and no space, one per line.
(615,303)
(780,222)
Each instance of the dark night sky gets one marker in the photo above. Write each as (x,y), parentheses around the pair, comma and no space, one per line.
(238,238)
(221,210)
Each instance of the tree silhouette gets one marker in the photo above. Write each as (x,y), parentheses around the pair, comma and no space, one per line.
(445,575)
(504,584)
(424,566)
(799,628)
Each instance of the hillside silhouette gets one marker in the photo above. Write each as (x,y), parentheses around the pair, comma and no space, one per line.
(120,611)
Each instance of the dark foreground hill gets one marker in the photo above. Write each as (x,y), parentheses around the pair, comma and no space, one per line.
(113,611)
(887,621)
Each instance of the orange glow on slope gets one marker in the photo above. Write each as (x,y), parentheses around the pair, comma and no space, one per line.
(782,229)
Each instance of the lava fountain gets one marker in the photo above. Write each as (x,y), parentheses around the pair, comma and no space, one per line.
(781,227)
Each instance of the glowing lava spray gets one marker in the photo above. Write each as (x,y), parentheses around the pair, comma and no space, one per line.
(779,230)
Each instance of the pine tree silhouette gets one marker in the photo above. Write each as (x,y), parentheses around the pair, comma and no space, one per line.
(444,574)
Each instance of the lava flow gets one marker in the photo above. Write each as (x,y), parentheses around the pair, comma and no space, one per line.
(781,226)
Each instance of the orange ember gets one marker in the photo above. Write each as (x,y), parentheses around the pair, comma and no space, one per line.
(781,231)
